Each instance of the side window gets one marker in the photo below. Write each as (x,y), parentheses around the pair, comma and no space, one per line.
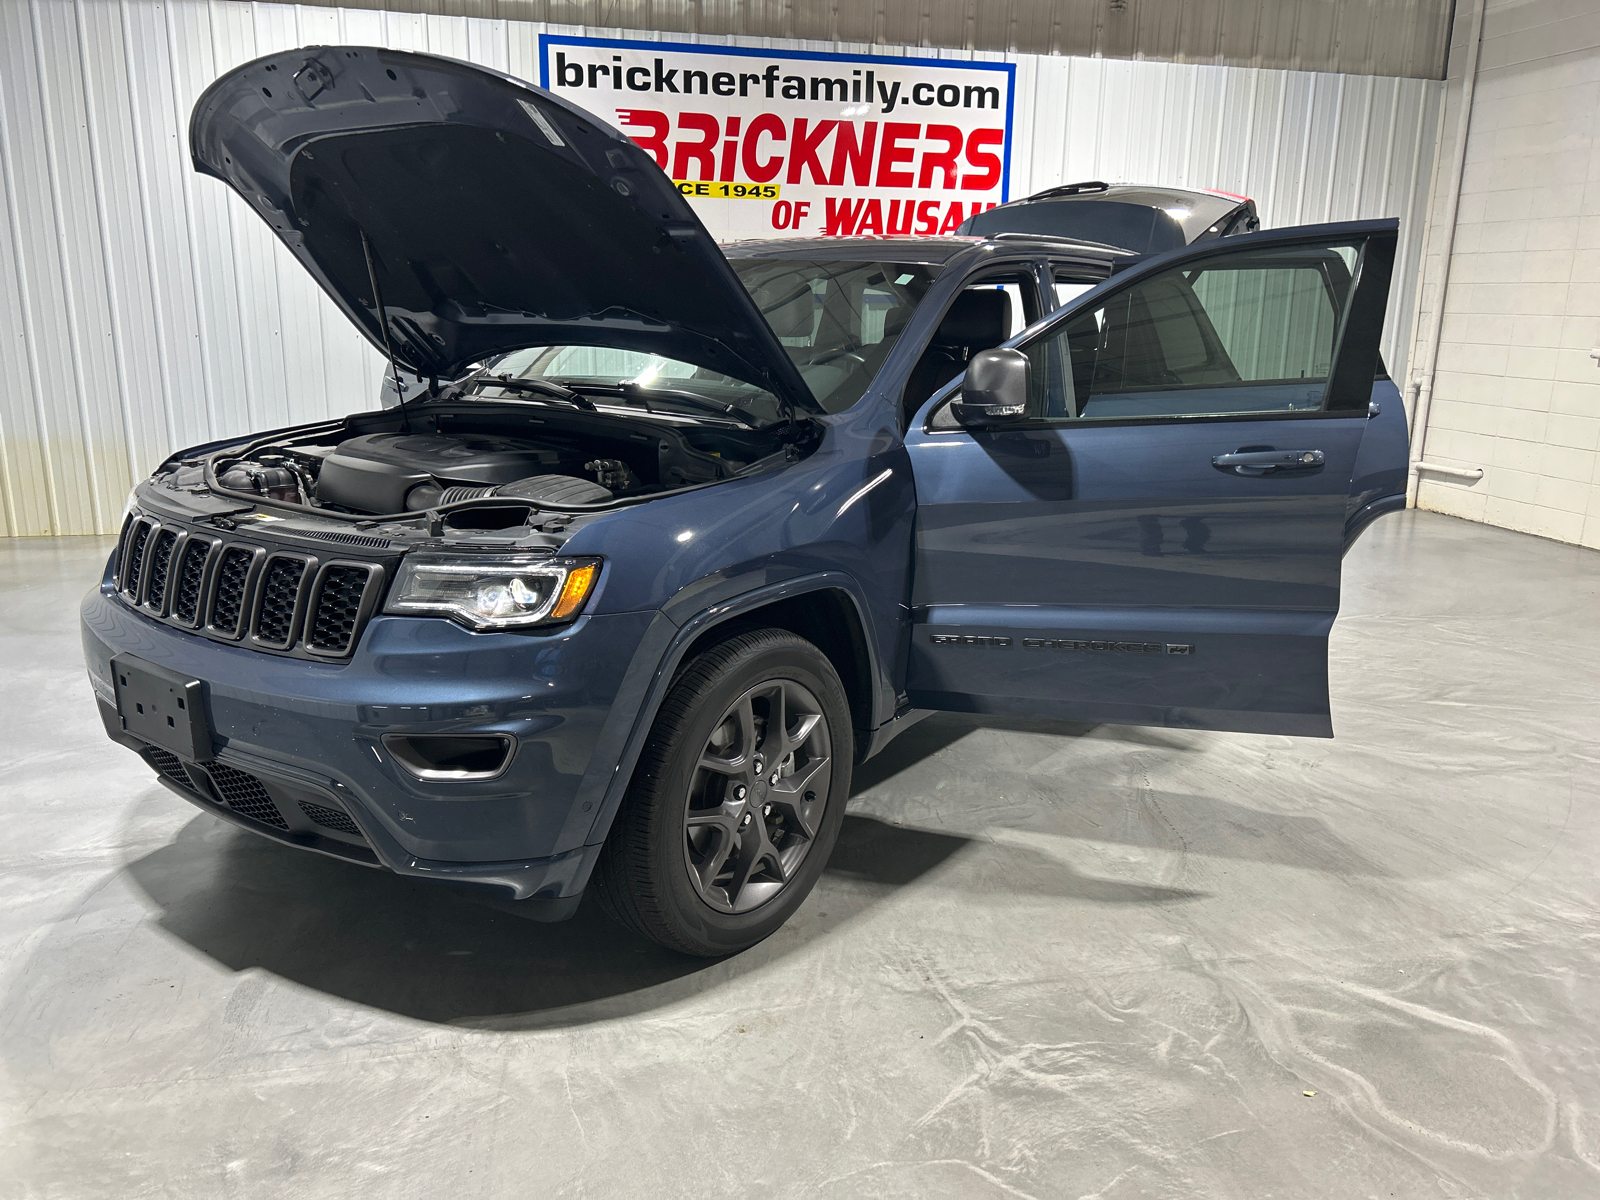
(1250,332)
(988,311)
(1070,282)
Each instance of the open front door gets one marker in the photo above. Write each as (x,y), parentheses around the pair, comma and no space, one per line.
(1158,541)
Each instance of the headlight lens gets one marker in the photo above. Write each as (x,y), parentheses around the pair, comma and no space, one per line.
(493,591)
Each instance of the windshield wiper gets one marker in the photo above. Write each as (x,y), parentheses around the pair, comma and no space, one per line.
(630,390)
(538,387)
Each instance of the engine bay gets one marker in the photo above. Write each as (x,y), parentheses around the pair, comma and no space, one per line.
(496,466)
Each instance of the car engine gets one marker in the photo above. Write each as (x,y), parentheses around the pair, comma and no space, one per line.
(543,463)
(410,472)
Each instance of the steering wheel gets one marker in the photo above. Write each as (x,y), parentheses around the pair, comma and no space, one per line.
(835,355)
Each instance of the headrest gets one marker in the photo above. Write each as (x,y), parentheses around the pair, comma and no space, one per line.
(790,315)
(980,317)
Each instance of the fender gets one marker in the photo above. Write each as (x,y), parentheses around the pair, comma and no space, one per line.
(655,664)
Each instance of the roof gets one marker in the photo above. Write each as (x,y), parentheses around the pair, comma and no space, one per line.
(1193,212)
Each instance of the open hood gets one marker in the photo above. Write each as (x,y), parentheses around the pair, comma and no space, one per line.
(497,215)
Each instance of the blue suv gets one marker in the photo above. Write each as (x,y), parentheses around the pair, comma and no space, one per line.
(666,536)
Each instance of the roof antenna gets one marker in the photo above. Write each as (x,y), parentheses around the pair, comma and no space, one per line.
(383,322)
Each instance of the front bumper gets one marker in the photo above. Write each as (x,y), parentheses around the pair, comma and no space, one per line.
(310,734)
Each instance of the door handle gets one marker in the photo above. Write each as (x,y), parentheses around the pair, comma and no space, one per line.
(1264,462)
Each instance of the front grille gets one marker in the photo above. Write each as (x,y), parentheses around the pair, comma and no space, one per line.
(229,589)
(246,795)
(233,572)
(280,593)
(329,818)
(168,764)
(141,539)
(160,565)
(338,610)
(191,575)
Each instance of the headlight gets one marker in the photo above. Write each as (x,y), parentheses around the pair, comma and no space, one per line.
(493,591)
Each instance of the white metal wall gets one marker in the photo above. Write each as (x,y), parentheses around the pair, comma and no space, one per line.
(145,308)
(1517,391)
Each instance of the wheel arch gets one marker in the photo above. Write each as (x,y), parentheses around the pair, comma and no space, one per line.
(827,617)
(824,608)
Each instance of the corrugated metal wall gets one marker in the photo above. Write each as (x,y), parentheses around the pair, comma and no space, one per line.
(1352,37)
(144,308)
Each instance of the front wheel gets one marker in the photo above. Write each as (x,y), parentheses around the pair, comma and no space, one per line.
(738,797)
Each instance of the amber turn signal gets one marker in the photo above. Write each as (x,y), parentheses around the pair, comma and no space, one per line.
(574,592)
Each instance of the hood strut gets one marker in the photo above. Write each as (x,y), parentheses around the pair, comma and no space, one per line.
(383,324)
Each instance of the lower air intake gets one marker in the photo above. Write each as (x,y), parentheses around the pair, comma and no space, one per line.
(246,795)
(168,764)
(330,818)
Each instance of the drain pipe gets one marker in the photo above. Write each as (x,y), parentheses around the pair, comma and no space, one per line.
(1423,382)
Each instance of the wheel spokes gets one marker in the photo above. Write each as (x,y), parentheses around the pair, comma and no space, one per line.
(794,739)
(777,722)
(736,762)
(720,826)
(747,831)
(757,855)
(795,796)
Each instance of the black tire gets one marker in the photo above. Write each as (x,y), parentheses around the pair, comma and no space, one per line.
(651,877)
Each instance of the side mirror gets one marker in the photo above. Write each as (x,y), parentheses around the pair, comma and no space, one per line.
(995,390)
(388,397)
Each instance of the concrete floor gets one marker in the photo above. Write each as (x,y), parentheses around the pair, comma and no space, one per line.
(1081,962)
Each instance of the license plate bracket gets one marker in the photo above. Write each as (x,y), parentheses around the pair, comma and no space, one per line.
(162,707)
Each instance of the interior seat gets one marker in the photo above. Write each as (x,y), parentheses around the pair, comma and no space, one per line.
(980,319)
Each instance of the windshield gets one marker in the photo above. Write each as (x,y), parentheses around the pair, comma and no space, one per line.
(838,320)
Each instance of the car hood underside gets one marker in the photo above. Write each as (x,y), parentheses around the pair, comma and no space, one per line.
(491,214)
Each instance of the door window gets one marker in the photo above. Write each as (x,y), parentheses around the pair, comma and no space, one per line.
(1250,332)
(985,313)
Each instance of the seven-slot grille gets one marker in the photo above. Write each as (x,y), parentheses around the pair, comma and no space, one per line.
(282,601)
(227,605)
(338,610)
(155,589)
(137,545)
(279,600)
(191,576)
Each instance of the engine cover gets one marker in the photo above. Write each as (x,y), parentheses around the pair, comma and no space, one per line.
(374,472)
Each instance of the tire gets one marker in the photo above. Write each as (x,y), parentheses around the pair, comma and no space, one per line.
(708,854)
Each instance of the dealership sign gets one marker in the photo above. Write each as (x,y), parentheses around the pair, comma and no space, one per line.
(773,143)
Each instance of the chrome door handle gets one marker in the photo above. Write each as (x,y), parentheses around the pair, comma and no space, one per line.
(1263,462)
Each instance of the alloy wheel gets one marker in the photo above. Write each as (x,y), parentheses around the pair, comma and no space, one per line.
(757,795)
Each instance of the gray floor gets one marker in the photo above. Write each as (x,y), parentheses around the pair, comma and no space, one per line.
(1084,962)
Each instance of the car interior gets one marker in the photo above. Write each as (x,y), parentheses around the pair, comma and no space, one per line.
(982,316)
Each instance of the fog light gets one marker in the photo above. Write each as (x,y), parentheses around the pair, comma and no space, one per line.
(446,758)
